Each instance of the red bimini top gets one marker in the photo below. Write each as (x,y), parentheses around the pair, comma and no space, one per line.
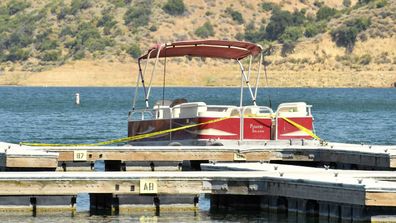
(205,48)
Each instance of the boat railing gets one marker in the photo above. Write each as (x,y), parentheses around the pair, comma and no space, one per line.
(199,109)
(141,114)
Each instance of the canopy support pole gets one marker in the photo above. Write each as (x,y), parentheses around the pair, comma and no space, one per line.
(152,75)
(240,107)
(250,66)
(258,75)
(136,87)
(247,83)
(142,76)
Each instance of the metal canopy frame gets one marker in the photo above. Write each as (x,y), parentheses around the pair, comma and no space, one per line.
(217,47)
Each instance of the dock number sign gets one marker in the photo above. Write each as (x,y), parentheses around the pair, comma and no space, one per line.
(80,155)
(239,157)
(148,186)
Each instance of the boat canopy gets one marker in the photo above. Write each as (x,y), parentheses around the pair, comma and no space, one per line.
(205,48)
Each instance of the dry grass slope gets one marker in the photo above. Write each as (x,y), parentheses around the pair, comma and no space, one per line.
(315,62)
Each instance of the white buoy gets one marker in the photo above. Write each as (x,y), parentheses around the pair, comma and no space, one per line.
(77,98)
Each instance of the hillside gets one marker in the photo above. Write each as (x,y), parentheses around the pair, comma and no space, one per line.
(332,43)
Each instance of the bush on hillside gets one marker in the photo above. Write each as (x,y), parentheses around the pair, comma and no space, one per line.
(19,38)
(205,30)
(280,20)
(345,35)
(253,35)
(347,3)
(314,28)
(318,3)
(134,51)
(365,59)
(79,54)
(15,6)
(138,15)
(60,9)
(68,30)
(77,5)
(120,3)
(289,38)
(235,15)
(51,55)
(269,6)
(107,21)
(325,13)
(18,54)
(47,44)
(88,38)
(174,7)
(381,3)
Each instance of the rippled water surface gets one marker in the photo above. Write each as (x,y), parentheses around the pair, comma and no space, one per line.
(49,115)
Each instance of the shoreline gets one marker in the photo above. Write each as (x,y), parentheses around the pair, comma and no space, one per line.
(186,86)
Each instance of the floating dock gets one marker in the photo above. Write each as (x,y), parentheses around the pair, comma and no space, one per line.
(353,195)
(309,153)
(23,158)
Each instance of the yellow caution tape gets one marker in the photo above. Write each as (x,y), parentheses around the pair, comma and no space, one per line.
(143,136)
(302,128)
(127,139)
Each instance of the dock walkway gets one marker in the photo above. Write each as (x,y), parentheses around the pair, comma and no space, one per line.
(265,185)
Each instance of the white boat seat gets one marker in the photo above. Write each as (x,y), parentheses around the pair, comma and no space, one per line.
(192,109)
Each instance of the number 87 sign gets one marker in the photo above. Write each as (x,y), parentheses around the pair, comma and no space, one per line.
(80,155)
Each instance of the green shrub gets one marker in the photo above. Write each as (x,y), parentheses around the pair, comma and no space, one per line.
(318,3)
(138,15)
(134,51)
(120,3)
(360,24)
(291,35)
(153,28)
(365,59)
(174,7)
(205,30)
(281,19)
(253,35)
(47,44)
(60,9)
(239,36)
(87,31)
(235,15)
(51,55)
(79,54)
(289,38)
(381,3)
(363,2)
(346,34)
(269,6)
(68,30)
(89,38)
(107,21)
(15,6)
(97,44)
(77,5)
(325,13)
(18,54)
(20,38)
(312,29)
(347,3)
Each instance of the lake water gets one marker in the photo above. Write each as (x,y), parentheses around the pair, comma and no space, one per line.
(49,115)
